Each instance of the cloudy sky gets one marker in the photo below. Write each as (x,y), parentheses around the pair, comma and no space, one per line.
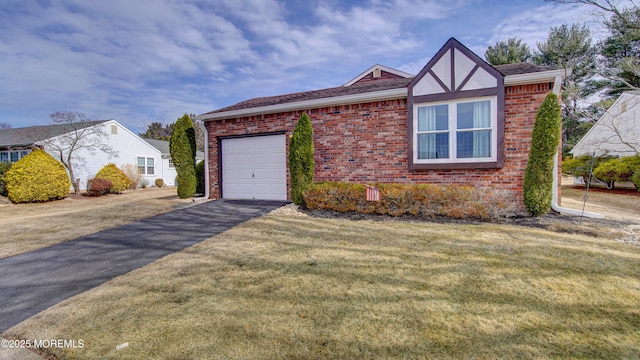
(147,60)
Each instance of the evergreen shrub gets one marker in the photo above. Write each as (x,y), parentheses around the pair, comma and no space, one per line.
(200,177)
(301,163)
(538,176)
(616,170)
(159,183)
(120,181)
(37,177)
(182,146)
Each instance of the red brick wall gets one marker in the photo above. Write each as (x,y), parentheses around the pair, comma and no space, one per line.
(367,143)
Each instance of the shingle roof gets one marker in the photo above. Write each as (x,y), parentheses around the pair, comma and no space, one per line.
(163,146)
(33,134)
(386,84)
(522,68)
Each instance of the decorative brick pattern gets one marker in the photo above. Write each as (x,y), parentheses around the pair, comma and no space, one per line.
(367,143)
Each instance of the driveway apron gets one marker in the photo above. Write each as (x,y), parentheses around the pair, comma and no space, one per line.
(34,281)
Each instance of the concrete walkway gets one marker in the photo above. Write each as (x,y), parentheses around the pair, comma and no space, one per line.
(34,281)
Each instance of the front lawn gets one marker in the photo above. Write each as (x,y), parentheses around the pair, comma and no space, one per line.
(307,288)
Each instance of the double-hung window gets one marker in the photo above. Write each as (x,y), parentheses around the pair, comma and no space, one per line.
(460,131)
(146,165)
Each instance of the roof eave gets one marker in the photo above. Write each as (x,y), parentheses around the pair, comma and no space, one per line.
(309,104)
(509,80)
(533,78)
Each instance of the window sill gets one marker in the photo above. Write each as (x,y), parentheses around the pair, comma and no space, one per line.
(453,166)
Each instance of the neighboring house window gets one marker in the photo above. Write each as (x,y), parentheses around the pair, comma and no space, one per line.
(456,131)
(146,165)
(171,164)
(13,156)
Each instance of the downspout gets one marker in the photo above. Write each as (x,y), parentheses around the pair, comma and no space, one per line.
(206,160)
(554,194)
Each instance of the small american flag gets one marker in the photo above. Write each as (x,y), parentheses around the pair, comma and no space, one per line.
(373,193)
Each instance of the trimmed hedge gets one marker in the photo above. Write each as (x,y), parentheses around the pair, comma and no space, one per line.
(118,178)
(98,186)
(159,183)
(37,177)
(425,200)
(4,167)
(538,175)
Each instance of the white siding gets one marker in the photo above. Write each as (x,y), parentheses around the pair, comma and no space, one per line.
(128,147)
(621,123)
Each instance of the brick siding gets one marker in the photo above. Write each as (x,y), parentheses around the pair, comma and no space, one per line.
(367,143)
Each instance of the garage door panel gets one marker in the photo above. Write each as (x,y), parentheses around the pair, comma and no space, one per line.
(254,168)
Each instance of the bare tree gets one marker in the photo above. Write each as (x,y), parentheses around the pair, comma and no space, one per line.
(616,128)
(82,134)
(5,125)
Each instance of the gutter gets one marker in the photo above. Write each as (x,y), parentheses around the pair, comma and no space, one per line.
(309,104)
(554,195)
(206,162)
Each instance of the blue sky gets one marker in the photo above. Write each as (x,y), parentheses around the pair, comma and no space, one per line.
(153,60)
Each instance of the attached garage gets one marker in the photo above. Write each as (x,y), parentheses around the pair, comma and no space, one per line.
(254,167)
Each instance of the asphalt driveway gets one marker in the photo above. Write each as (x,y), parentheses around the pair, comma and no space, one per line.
(34,281)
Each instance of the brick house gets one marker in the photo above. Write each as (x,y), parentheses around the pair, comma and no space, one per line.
(459,121)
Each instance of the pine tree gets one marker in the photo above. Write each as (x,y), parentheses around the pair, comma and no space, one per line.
(301,163)
(182,146)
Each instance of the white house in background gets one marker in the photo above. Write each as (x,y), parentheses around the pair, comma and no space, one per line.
(128,148)
(617,132)
(166,169)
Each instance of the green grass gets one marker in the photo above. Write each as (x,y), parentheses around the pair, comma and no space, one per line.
(285,287)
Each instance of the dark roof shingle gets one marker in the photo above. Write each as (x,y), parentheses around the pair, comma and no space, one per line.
(360,88)
(30,135)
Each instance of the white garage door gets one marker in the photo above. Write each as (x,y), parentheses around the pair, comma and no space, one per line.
(254,168)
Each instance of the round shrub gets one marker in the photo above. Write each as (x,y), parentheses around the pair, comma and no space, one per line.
(120,181)
(98,186)
(37,177)
(159,182)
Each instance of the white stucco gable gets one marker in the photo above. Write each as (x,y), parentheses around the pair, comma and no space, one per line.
(617,132)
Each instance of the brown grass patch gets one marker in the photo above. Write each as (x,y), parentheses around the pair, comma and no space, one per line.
(26,227)
(285,287)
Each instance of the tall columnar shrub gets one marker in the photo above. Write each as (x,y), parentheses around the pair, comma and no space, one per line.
(182,146)
(120,181)
(301,163)
(538,176)
(200,177)
(37,177)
